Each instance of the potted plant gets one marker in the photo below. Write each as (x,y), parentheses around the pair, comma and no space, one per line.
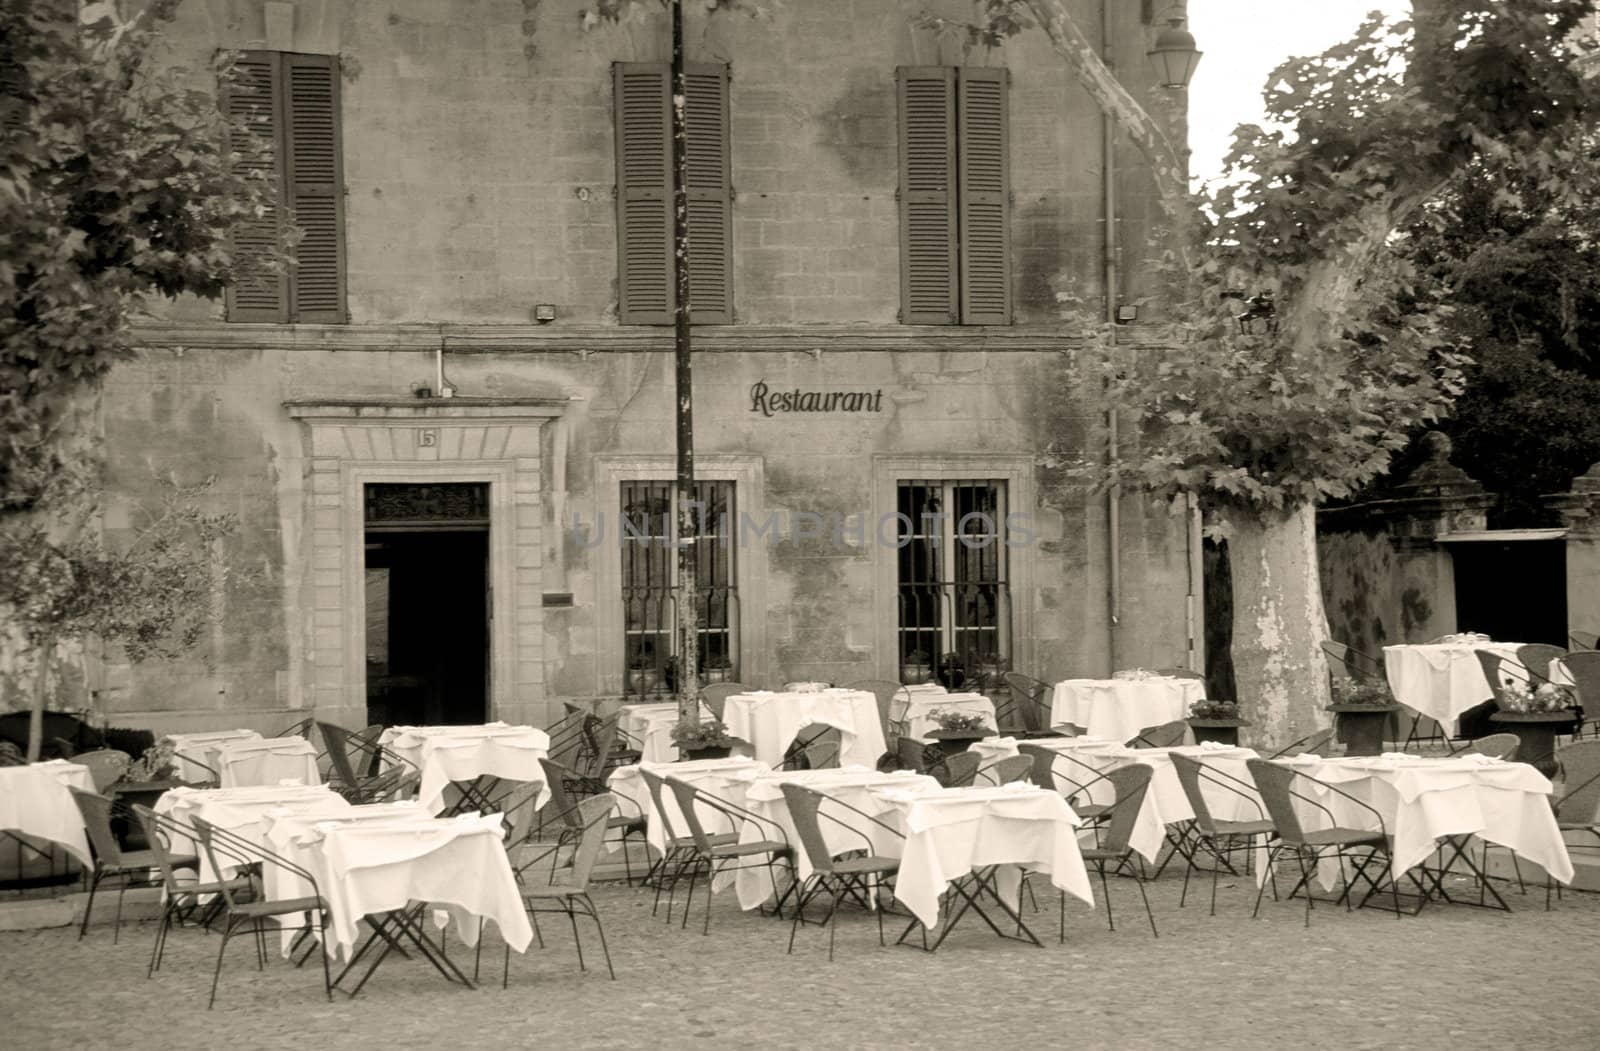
(1362,708)
(1218,721)
(702,739)
(952,671)
(957,730)
(914,668)
(146,780)
(1535,716)
(643,676)
(716,669)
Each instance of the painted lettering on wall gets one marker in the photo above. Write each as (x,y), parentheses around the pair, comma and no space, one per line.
(768,402)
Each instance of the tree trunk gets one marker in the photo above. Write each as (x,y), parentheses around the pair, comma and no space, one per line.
(1278,623)
(688,684)
(41,692)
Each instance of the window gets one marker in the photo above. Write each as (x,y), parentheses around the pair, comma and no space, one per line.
(953,588)
(955,244)
(650,577)
(287,107)
(644,193)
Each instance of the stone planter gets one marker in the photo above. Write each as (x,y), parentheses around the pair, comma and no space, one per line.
(126,793)
(914,674)
(1360,727)
(1536,735)
(689,754)
(949,742)
(1222,731)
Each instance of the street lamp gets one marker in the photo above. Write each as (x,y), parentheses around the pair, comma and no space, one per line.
(1174,54)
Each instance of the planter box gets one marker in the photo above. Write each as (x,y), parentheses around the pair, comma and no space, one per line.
(1223,731)
(949,742)
(1536,735)
(1360,727)
(687,754)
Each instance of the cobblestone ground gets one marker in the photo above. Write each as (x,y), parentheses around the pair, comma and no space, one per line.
(1452,977)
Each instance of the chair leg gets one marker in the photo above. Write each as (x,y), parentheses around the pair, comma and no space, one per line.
(1105,892)
(1147,912)
(577,941)
(161,937)
(1305,881)
(322,951)
(594,914)
(1061,919)
(833,928)
(1184,896)
(88,906)
(215,975)
(1272,857)
(799,912)
(1216,874)
(116,922)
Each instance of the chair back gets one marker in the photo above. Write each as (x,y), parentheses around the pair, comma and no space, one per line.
(566,738)
(803,803)
(715,697)
(158,832)
(1308,743)
(956,770)
(1275,782)
(910,750)
(299,729)
(1355,664)
(592,815)
(227,852)
(599,736)
(685,794)
(1189,772)
(1167,735)
(561,804)
(105,765)
(654,783)
(336,739)
(1584,667)
(1032,699)
(1536,657)
(1584,640)
(1130,783)
(1580,782)
(1498,672)
(97,811)
(822,751)
(1043,760)
(1005,771)
(1500,746)
(884,691)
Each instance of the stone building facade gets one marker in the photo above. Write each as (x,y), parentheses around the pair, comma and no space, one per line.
(405,555)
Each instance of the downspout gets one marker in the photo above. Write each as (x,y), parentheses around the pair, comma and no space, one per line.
(1108,169)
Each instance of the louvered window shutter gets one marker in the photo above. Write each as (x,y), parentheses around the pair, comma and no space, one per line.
(316,187)
(644,193)
(984,196)
(252,101)
(710,187)
(927,194)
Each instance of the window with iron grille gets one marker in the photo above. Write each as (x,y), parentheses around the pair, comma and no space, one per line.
(285,112)
(650,579)
(953,592)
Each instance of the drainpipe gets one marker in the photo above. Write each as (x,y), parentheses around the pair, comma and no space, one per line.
(1108,169)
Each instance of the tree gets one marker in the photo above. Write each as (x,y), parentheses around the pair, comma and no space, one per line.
(1343,356)
(116,184)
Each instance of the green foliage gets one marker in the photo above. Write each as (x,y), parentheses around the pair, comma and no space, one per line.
(689,734)
(114,185)
(958,722)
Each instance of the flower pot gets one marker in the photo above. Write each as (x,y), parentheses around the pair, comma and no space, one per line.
(1222,731)
(949,742)
(1536,735)
(688,754)
(643,680)
(1360,727)
(914,674)
(711,675)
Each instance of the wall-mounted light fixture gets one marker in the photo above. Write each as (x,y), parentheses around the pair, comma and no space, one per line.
(1174,54)
(544,313)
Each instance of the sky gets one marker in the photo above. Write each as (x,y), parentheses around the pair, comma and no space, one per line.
(1244,40)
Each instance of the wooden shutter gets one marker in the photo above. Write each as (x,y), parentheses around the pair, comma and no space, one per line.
(710,187)
(927,194)
(644,193)
(252,101)
(984,196)
(316,187)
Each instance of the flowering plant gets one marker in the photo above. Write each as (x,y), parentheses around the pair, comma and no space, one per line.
(959,722)
(1361,691)
(1206,709)
(1548,697)
(692,734)
(154,765)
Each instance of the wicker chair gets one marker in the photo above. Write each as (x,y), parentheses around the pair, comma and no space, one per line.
(1130,783)
(715,697)
(1220,837)
(1167,735)
(1309,743)
(886,692)
(718,856)
(1005,771)
(131,868)
(106,766)
(182,895)
(829,872)
(956,770)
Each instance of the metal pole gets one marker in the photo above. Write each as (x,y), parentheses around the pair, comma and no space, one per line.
(688,680)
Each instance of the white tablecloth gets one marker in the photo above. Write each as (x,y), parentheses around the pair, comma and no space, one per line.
(854,786)
(770,721)
(1444,679)
(954,831)
(919,711)
(651,725)
(363,868)
(266,761)
(203,747)
(464,753)
(34,800)
(1423,799)
(724,778)
(1118,709)
(1165,802)
(246,812)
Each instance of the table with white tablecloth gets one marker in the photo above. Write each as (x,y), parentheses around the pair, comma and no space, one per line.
(202,748)
(266,761)
(35,801)
(719,777)
(769,722)
(1118,709)
(1441,680)
(650,726)
(1423,800)
(447,754)
(364,868)
(919,711)
(246,812)
(1230,797)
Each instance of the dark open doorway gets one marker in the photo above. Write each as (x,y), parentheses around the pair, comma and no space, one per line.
(1512,590)
(427,605)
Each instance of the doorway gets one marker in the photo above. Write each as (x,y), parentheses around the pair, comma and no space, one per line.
(1513,590)
(427,604)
